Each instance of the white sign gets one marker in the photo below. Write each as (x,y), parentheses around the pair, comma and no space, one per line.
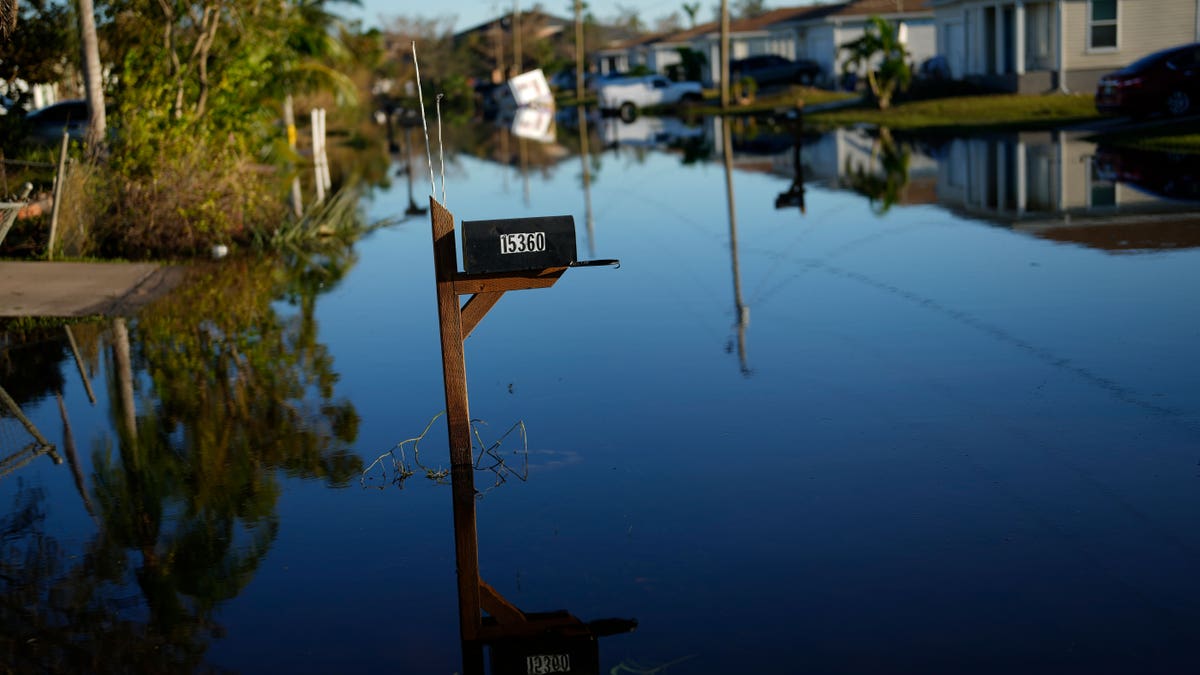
(531,88)
(536,124)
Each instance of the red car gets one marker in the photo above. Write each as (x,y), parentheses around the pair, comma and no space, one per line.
(1166,81)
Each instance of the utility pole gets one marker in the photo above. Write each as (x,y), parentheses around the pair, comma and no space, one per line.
(580,54)
(517,36)
(724,54)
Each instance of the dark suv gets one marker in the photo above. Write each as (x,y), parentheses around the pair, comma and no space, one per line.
(769,69)
(1167,81)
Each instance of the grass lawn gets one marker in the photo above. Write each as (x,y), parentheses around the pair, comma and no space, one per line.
(770,101)
(966,113)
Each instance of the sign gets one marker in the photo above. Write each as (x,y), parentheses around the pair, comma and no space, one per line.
(531,88)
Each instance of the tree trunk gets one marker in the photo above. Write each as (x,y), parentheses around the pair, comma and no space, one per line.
(92,76)
(8,18)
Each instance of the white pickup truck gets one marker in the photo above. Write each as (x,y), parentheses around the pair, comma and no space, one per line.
(626,95)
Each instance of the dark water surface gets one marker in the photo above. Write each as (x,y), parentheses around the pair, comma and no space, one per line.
(954,427)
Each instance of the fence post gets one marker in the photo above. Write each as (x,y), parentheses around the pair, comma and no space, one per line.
(59,179)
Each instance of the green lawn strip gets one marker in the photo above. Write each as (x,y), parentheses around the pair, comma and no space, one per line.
(994,112)
(771,101)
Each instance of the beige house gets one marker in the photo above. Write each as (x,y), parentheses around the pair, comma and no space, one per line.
(1034,46)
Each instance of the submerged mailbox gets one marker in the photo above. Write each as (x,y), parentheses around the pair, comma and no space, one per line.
(518,244)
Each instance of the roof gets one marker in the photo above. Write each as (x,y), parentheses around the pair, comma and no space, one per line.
(881,7)
(783,15)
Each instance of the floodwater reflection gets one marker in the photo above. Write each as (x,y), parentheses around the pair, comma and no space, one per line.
(208,413)
(517,641)
(969,437)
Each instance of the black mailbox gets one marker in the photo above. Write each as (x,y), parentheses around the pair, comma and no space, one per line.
(518,244)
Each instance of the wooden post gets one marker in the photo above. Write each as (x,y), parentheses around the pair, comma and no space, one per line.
(454,367)
(455,323)
(289,119)
(317,142)
(59,179)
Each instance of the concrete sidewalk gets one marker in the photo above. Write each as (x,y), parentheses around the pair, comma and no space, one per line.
(82,289)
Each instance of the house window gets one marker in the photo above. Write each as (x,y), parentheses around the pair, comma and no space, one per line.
(1102,24)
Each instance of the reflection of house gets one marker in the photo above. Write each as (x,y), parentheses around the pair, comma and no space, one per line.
(1051,185)
(1040,45)
(1029,175)
(812,32)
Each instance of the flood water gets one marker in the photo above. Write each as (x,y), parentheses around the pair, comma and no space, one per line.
(893,406)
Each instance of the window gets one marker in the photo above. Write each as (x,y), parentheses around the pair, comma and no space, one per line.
(1102,24)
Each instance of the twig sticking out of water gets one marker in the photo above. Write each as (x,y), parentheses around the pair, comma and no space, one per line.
(402,470)
(498,465)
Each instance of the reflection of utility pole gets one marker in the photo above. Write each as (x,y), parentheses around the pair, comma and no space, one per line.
(585,158)
(523,149)
(413,209)
(741,311)
(506,153)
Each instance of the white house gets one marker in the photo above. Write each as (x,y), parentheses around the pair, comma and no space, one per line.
(814,32)
(821,32)
(1033,46)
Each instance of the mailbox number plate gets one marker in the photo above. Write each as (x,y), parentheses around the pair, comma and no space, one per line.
(518,244)
(522,242)
(544,664)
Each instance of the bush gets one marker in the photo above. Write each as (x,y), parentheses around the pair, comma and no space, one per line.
(187,195)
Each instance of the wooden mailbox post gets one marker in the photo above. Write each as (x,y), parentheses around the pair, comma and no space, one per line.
(456,322)
(531,253)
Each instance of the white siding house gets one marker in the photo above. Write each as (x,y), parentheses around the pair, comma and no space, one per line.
(1042,45)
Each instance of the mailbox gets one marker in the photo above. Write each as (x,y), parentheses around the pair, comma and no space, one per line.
(518,244)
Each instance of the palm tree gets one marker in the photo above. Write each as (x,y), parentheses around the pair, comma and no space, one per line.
(91,74)
(880,41)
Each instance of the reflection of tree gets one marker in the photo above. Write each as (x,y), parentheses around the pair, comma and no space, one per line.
(886,189)
(60,618)
(186,494)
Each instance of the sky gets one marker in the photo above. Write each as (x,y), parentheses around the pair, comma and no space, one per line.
(474,12)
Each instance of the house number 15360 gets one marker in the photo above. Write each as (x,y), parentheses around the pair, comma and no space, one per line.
(523,242)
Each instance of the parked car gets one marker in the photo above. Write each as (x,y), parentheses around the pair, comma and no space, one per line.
(47,124)
(772,69)
(1166,81)
(625,96)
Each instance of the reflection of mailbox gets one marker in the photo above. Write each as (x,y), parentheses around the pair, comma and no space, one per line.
(550,654)
(518,244)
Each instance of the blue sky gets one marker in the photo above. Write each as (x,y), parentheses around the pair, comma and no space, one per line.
(473,12)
